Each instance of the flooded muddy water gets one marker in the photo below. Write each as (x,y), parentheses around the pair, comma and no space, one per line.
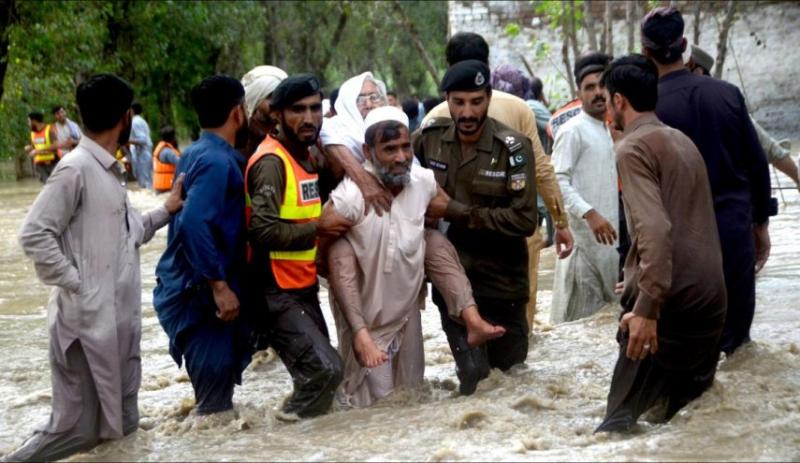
(543,410)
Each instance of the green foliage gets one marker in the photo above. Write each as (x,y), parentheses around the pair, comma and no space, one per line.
(512,29)
(163,48)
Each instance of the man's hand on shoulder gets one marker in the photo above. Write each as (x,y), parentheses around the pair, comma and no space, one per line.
(174,201)
(376,196)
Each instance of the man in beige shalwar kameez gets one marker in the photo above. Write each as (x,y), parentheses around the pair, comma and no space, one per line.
(83,237)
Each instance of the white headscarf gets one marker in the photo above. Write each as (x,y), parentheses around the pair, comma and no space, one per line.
(259,83)
(347,127)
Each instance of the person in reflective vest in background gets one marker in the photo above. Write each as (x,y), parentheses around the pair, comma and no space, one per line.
(43,148)
(283,220)
(165,158)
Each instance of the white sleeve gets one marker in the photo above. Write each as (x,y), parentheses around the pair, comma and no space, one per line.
(348,201)
(566,154)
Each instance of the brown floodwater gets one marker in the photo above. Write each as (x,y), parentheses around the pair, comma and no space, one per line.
(545,409)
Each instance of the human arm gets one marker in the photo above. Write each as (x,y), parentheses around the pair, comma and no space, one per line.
(518,218)
(757,167)
(140,133)
(566,155)
(266,186)
(547,185)
(648,218)
(158,217)
(48,218)
(761,192)
(375,194)
(168,156)
(199,224)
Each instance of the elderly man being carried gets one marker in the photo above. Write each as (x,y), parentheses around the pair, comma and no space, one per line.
(378,320)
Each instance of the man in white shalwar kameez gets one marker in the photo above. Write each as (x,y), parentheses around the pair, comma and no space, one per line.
(83,237)
(583,157)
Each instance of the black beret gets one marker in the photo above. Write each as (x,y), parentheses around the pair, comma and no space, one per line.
(466,76)
(294,88)
(662,28)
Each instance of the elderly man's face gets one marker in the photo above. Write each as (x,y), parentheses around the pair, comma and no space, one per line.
(393,157)
(369,98)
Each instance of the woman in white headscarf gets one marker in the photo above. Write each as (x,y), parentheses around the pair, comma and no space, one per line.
(357,97)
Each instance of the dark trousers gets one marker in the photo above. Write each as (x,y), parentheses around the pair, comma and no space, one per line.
(212,356)
(42,171)
(297,331)
(738,260)
(639,385)
(473,363)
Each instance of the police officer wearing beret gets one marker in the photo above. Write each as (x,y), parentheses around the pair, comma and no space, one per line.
(283,224)
(486,171)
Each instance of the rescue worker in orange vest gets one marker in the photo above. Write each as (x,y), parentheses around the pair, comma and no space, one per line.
(284,224)
(165,158)
(44,147)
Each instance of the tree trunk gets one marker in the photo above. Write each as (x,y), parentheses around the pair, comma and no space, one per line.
(412,32)
(334,42)
(567,67)
(269,41)
(588,24)
(569,26)
(165,101)
(696,26)
(722,43)
(8,17)
(609,32)
(630,15)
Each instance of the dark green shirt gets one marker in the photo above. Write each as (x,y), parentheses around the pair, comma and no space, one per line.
(493,202)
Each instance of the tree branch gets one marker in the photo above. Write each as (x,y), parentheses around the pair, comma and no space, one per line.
(412,32)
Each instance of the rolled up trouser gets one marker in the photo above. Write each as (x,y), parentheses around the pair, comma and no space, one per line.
(299,335)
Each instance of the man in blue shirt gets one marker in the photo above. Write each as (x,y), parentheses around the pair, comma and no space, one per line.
(713,114)
(200,274)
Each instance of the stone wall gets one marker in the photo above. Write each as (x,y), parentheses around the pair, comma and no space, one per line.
(765,42)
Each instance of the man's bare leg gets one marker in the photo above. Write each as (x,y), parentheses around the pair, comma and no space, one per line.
(479,330)
(447,275)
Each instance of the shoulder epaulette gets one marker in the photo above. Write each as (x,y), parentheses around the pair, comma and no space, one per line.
(511,139)
(437,122)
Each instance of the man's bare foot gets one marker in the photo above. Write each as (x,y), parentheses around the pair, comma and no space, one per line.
(479,330)
(367,353)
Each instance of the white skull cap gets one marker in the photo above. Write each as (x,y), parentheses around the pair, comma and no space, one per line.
(385,113)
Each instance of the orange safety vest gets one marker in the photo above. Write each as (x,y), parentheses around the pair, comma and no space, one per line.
(301,203)
(163,173)
(41,140)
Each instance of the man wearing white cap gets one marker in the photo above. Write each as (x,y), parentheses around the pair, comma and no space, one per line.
(378,321)
(259,83)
